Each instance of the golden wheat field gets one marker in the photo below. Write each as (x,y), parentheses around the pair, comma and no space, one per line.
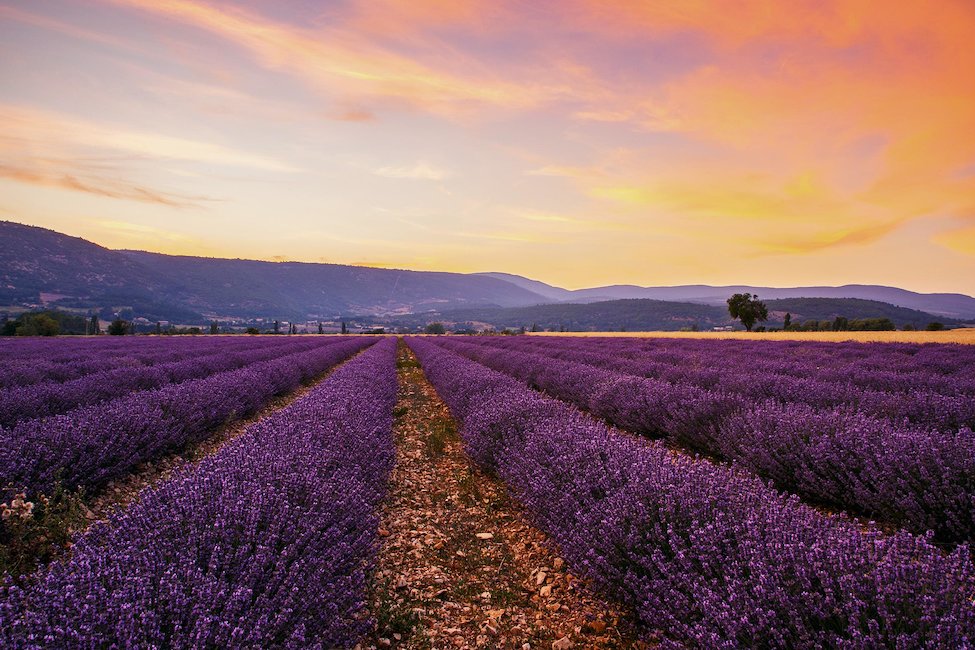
(964,336)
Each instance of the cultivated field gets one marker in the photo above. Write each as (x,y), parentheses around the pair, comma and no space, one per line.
(559,492)
(964,336)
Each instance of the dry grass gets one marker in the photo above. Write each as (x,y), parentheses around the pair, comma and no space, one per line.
(964,336)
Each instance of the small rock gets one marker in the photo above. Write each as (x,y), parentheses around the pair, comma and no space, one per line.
(486,595)
(484,535)
(562,644)
(540,578)
(597,626)
(401,583)
(558,564)
(384,642)
(553,607)
(490,629)
(526,646)
(545,591)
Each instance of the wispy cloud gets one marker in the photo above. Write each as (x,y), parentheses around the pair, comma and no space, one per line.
(419,171)
(340,62)
(29,129)
(57,175)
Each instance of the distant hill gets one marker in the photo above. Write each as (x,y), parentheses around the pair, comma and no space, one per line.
(638,314)
(951,305)
(300,290)
(803,309)
(632,315)
(40,268)
(547,291)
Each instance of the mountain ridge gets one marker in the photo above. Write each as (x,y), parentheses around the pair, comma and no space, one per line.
(40,267)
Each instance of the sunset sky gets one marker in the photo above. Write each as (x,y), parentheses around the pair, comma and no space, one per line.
(578,142)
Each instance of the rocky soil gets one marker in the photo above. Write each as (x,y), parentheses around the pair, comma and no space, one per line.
(460,566)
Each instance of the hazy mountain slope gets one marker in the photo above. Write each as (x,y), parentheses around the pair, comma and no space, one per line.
(803,309)
(72,272)
(296,289)
(635,314)
(555,294)
(43,266)
(954,305)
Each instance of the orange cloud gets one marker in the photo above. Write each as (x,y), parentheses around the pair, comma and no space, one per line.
(338,61)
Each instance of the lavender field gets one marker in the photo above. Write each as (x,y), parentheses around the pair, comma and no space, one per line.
(718,493)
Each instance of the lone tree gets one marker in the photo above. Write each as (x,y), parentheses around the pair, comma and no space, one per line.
(118,327)
(747,309)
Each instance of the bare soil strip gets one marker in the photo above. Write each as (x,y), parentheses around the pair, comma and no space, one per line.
(459,567)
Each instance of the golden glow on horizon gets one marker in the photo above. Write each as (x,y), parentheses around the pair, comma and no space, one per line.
(580,143)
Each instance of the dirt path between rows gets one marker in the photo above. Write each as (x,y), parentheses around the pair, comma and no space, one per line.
(459,567)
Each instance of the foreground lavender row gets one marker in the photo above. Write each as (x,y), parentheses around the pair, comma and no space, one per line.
(93,445)
(911,477)
(49,398)
(266,544)
(714,557)
(917,391)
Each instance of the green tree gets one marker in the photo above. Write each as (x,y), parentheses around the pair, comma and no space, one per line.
(321,330)
(345,330)
(38,325)
(435,328)
(96,327)
(747,309)
(788,321)
(214,328)
(252,330)
(935,326)
(118,327)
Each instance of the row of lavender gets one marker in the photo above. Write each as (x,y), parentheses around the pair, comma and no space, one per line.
(92,445)
(713,556)
(912,477)
(866,365)
(268,543)
(50,398)
(920,394)
(25,361)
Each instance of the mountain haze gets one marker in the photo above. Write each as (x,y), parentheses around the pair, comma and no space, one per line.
(44,268)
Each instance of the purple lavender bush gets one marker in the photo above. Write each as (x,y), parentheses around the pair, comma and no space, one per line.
(268,543)
(710,555)
(89,446)
(51,398)
(908,476)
